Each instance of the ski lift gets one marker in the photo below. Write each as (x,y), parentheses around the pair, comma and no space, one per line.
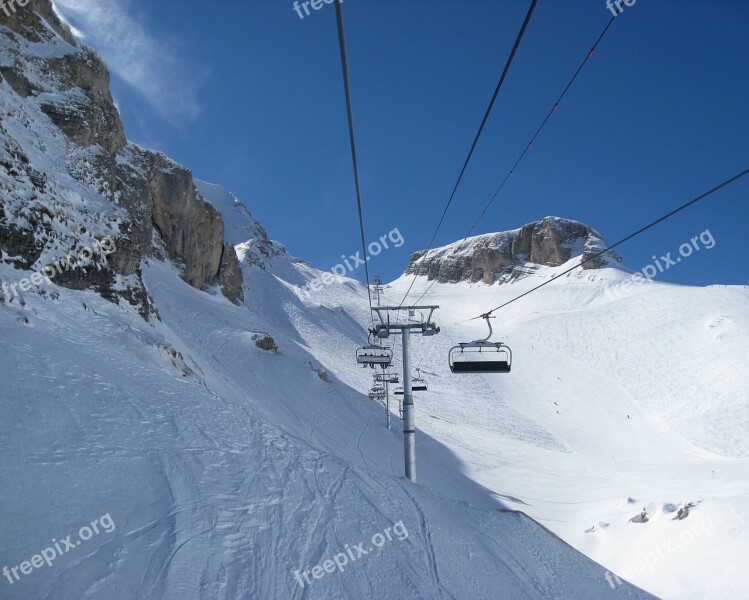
(418,384)
(377,392)
(481,356)
(386,376)
(374,356)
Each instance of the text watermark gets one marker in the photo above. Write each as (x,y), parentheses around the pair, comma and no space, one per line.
(615,6)
(353,262)
(340,560)
(9,7)
(664,263)
(84,256)
(661,550)
(58,548)
(315,4)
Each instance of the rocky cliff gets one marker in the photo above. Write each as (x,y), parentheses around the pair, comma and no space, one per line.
(69,177)
(498,256)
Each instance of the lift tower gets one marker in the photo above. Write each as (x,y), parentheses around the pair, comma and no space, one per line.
(386,378)
(383,330)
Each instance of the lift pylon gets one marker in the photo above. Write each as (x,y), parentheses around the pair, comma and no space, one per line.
(384,329)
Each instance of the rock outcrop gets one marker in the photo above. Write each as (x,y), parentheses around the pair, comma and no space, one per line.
(493,256)
(230,275)
(266,343)
(249,238)
(68,176)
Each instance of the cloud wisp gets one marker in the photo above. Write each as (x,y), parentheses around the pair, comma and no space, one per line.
(150,65)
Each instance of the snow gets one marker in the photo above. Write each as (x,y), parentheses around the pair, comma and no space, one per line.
(670,357)
(226,468)
(73,213)
(223,473)
(252,245)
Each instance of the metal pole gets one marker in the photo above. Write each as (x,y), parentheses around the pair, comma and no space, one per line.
(409,433)
(387,402)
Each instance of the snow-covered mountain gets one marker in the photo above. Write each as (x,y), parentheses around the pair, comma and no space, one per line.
(184,418)
(621,398)
(510,254)
(70,179)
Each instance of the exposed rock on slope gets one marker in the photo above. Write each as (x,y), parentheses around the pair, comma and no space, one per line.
(69,177)
(230,275)
(495,256)
(241,228)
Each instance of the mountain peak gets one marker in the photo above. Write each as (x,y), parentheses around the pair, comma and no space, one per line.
(507,255)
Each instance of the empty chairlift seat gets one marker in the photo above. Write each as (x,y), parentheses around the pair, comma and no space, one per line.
(418,384)
(480,357)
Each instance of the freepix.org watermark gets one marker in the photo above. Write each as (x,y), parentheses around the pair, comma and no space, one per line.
(351,554)
(8,7)
(664,263)
(84,256)
(615,6)
(315,4)
(354,261)
(58,548)
(662,550)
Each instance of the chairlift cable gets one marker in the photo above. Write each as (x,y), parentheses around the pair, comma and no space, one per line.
(352,139)
(623,240)
(479,132)
(553,109)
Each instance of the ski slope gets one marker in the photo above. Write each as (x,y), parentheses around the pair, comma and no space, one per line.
(621,398)
(227,469)
(604,414)
(670,357)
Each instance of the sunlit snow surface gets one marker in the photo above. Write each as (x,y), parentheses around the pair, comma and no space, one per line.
(227,468)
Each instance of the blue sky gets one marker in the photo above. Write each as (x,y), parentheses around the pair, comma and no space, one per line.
(249,95)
